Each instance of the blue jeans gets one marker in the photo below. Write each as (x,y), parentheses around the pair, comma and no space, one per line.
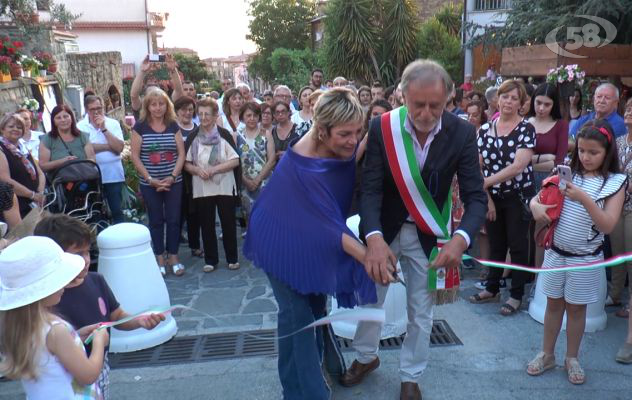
(163,208)
(300,355)
(114,195)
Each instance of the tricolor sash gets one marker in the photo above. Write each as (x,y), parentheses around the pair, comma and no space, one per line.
(430,220)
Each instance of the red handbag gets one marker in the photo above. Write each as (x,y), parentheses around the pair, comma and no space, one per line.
(550,195)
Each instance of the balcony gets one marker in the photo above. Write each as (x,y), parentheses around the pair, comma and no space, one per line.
(157,20)
(492,5)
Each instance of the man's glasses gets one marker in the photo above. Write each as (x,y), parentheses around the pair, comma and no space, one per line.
(95,110)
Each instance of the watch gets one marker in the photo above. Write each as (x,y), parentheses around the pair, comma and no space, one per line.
(174,177)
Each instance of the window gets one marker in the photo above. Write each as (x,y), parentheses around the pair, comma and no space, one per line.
(486,5)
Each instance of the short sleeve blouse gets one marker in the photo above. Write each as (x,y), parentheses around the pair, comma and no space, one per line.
(499,152)
(59,148)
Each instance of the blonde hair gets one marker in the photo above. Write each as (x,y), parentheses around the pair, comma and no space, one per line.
(12,117)
(335,107)
(153,94)
(22,340)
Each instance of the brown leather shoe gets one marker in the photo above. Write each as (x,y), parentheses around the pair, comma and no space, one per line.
(356,373)
(410,391)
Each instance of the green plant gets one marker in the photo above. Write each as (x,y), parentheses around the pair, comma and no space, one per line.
(277,24)
(5,64)
(292,67)
(23,14)
(44,58)
(370,40)
(29,64)
(436,42)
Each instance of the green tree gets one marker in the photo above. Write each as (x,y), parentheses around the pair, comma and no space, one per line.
(400,36)
(451,16)
(529,21)
(370,40)
(277,24)
(292,67)
(436,42)
(192,68)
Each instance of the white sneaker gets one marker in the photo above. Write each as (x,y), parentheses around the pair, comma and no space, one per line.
(208,268)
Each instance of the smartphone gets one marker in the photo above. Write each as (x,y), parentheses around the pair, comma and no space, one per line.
(565,174)
(156,58)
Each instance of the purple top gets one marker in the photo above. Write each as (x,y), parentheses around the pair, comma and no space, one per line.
(296,227)
(555,141)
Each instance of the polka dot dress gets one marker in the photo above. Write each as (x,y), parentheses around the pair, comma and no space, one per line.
(499,152)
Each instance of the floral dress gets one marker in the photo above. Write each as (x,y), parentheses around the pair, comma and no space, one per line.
(254,156)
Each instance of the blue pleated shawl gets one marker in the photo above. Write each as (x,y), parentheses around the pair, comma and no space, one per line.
(296,226)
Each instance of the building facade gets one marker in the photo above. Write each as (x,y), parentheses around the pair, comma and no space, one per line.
(484,13)
(127,26)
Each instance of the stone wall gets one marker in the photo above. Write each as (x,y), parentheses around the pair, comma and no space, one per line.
(97,72)
(12,94)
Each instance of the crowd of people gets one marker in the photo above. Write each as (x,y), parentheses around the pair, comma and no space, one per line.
(391,154)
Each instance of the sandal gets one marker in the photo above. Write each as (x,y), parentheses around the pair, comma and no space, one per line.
(624,356)
(576,374)
(178,269)
(477,299)
(208,268)
(507,309)
(610,302)
(623,312)
(233,266)
(161,265)
(541,363)
(197,253)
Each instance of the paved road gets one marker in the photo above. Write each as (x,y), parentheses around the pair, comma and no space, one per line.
(489,365)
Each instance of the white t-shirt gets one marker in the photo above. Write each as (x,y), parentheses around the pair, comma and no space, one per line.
(32,145)
(109,162)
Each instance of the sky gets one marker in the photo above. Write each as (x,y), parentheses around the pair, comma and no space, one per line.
(214,28)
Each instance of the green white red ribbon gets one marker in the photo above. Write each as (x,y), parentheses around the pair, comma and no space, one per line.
(352,315)
(610,262)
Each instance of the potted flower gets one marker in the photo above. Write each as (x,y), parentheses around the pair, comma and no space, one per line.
(5,68)
(29,65)
(11,49)
(566,77)
(46,61)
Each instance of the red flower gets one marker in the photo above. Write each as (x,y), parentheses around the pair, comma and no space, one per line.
(18,44)
(11,50)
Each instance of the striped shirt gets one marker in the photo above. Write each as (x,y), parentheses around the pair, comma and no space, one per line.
(158,152)
(577,234)
(575,231)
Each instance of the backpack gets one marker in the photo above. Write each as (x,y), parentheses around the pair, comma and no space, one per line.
(549,195)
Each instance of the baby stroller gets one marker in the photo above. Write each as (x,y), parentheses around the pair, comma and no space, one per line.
(75,189)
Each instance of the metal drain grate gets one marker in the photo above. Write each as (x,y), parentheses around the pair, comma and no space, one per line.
(189,349)
(441,335)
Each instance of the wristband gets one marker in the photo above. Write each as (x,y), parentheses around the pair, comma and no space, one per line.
(537,161)
(32,194)
(174,177)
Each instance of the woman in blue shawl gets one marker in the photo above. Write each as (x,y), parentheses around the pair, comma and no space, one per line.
(298,236)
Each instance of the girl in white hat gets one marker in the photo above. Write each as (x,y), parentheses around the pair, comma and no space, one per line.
(36,346)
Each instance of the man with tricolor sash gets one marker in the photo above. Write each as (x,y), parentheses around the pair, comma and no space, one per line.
(412,156)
